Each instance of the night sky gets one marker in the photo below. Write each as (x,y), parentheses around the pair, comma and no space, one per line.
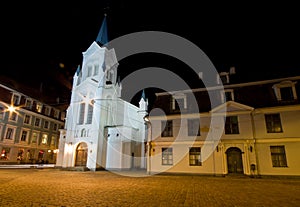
(45,40)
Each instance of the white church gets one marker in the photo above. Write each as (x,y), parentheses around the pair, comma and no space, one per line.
(102,131)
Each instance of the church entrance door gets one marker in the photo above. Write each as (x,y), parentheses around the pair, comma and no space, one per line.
(81,154)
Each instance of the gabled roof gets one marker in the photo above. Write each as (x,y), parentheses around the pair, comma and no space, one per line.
(231,106)
(92,49)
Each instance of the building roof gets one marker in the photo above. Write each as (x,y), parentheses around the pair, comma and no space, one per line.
(255,94)
(42,94)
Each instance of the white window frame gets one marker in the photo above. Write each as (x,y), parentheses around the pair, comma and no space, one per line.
(43,138)
(30,118)
(39,122)
(55,126)
(17,101)
(56,113)
(223,96)
(11,115)
(90,110)
(231,124)
(165,131)
(195,156)
(272,129)
(279,159)
(28,103)
(179,96)
(219,79)
(53,140)
(37,137)
(81,114)
(167,156)
(39,107)
(284,84)
(27,135)
(193,125)
(13,132)
(48,124)
(47,110)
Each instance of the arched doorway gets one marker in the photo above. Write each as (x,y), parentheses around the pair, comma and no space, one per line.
(234,160)
(81,154)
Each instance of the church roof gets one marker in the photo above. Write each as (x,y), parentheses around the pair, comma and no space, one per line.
(143,95)
(102,37)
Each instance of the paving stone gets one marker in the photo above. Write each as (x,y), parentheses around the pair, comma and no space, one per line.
(56,188)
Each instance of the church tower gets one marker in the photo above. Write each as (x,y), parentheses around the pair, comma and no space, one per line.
(97,113)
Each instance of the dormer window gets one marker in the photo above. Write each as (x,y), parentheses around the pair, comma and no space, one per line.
(56,113)
(16,98)
(39,107)
(28,103)
(227,95)
(223,78)
(179,102)
(47,110)
(285,91)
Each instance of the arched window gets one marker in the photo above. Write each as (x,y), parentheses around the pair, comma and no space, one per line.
(83,133)
(81,113)
(90,113)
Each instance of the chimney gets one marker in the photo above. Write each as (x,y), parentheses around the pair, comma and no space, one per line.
(232,70)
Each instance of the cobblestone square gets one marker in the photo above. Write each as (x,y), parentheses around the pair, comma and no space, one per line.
(54,187)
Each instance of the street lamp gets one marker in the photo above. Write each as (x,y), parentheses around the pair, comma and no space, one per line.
(149,143)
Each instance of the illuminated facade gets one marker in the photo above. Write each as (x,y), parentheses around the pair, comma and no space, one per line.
(101,130)
(29,128)
(261,130)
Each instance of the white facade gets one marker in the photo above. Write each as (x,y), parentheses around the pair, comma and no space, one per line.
(101,130)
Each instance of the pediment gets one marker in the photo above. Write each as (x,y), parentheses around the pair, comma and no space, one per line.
(231,106)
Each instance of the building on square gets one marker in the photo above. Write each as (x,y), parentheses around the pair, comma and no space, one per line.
(102,131)
(261,129)
(29,124)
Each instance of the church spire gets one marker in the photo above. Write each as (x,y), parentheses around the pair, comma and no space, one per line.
(143,104)
(102,37)
(143,95)
(78,70)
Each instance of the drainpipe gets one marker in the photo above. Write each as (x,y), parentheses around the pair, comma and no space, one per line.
(149,143)
(254,138)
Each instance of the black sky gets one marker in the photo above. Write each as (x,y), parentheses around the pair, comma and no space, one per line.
(256,38)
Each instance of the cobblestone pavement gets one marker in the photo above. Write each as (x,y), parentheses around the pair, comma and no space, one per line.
(54,187)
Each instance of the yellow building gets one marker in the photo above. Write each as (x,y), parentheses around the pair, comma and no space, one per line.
(254,131)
